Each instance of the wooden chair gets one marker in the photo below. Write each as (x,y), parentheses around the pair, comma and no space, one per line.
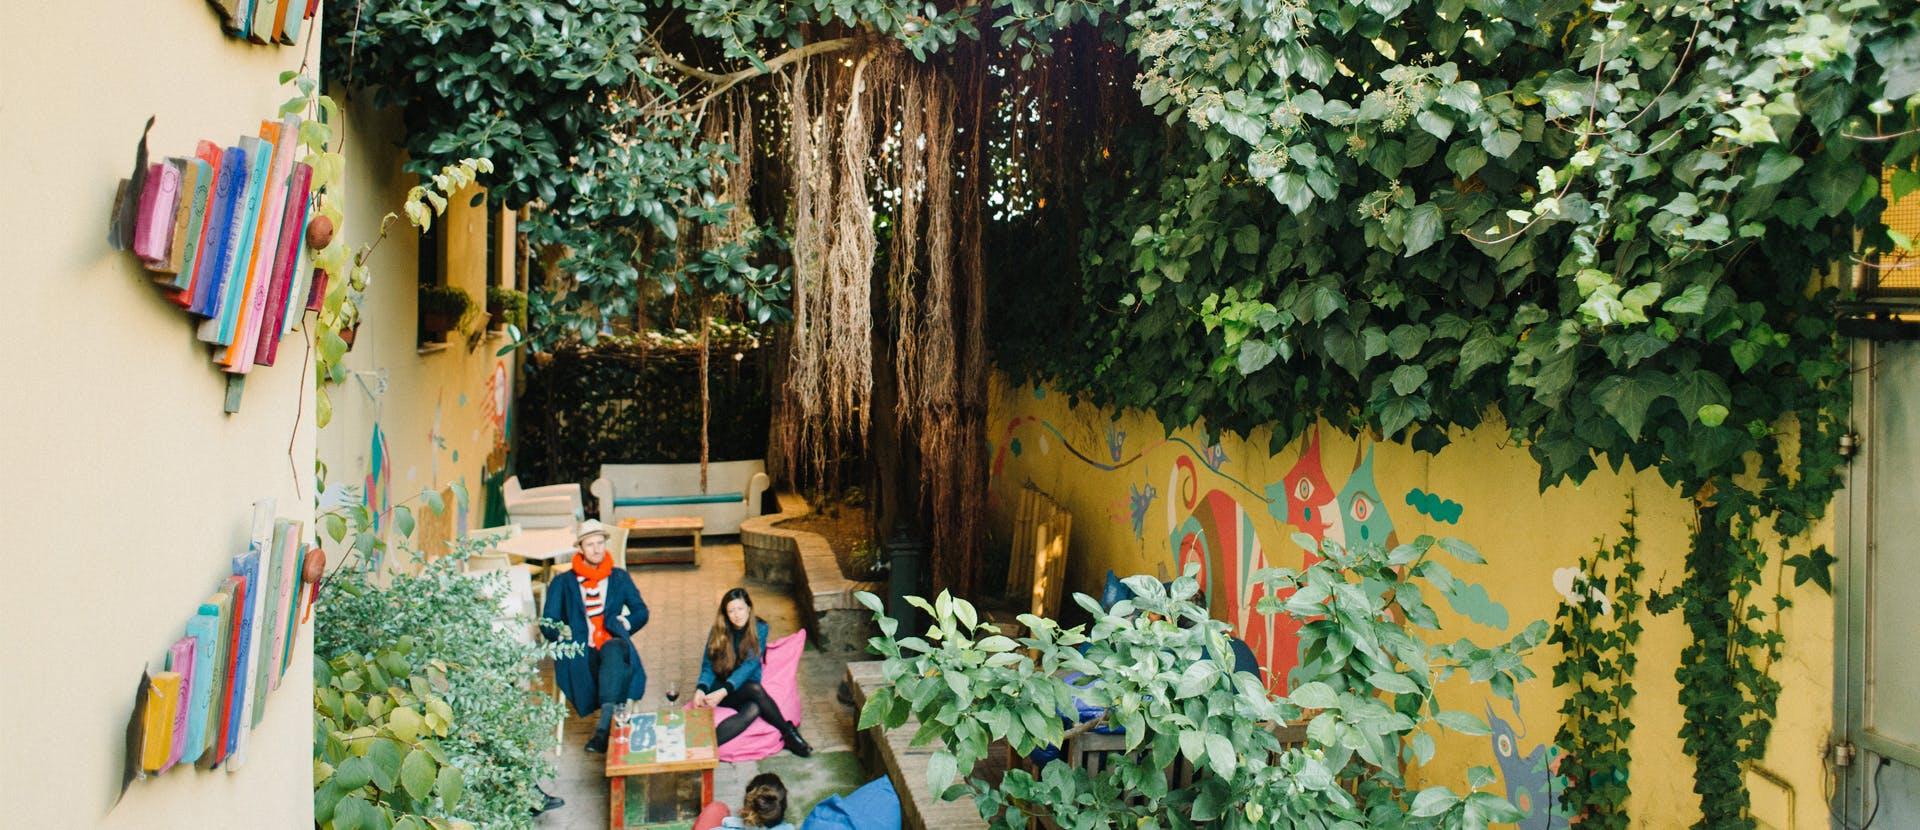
(1037,567)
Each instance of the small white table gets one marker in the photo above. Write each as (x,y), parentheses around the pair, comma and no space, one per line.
(546,546)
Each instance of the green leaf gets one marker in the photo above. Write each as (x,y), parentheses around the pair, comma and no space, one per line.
(1465,159)
(1501,143)
(942,769)
(1482,349)
(1691,301)
(1433,801)
(1254,356)
(1815,566)
(1221,757)
(385,755)
(1463,722)
(451,786)
(403,521)
(1392,682)
(1408,378)
(1712,414)
(353,773)
(1627,397)
(1314,695)
(418,774)
(1424,227)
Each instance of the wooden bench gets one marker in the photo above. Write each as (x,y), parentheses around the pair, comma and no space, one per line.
(906,764)
(666,526)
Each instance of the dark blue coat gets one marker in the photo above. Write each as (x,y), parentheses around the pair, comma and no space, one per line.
(748,671)
(624,614)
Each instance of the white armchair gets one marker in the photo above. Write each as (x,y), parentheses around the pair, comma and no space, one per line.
(553,505)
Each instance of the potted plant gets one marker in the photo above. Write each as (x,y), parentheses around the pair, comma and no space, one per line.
(441,309)
(506,306)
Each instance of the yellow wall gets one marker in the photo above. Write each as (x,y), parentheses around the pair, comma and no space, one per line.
(125,487)
(1107,471)
(434,407)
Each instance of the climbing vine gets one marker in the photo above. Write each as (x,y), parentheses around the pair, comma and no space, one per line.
(1598,629)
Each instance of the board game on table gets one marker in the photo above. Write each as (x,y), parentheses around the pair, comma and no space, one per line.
(665,747)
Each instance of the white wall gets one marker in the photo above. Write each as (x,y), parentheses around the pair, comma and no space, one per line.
(124,488)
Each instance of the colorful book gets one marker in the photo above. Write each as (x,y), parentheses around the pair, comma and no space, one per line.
(293,607)
(136,739)
(229,702)
(293,223)
(246,179)
(296,18)
(317,290)
(269,658)
(163,701)
(287,556)
(246,220)
(154,228)
(209,277)
(180,661)
(263,30)
(278,33)
(255,564)
(203,628)
(208,152)
(238,356)
(182,217)
(223,603)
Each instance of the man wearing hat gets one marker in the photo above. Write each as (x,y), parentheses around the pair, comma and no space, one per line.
(602,609)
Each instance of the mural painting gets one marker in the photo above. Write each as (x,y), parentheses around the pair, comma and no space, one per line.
(1532,776)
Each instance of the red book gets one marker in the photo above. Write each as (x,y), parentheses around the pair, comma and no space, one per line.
(293,226)
(317,294)
(225,701)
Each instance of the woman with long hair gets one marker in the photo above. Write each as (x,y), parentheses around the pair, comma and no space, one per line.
(764,807)
(730,673)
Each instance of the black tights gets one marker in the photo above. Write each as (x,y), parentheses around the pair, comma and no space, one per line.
(749,703)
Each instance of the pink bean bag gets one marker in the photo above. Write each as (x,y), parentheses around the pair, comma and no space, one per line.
(780,676)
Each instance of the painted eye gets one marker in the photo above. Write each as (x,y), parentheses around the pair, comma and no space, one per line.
(1362,508)
(1505,745)
(1303,490)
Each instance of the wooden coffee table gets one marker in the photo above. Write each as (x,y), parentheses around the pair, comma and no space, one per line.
(666,526)
(702,757)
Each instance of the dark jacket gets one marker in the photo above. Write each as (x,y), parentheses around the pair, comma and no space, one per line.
(748,671)
(624,614)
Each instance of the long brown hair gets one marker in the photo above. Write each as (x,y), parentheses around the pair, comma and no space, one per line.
(766,801)
(720,651)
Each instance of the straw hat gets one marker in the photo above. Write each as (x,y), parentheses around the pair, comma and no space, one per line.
(591,527)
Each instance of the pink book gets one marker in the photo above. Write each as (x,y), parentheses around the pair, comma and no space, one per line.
(154,227)
(180,661)
(293,223)
(246,338)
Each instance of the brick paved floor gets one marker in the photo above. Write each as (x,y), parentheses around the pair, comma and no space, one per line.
(682,600)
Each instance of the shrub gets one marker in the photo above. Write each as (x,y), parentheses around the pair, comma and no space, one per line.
(377,732)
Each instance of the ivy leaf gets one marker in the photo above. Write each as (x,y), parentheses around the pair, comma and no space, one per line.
(1254,356)
(1481,350)
(1699,388)
(1712,415)
(1401,411)
(1465,159)
(1816,566)
(1424,227)
(1408,377)
(1291,189)
(1776,166)
(1627,397)
(1501,143)
(1691,301)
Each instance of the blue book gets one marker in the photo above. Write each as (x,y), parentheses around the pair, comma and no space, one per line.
(210,279)
(204,629)
(237,716)
(246,218)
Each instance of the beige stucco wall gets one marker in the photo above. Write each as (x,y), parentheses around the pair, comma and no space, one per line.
(124,488)
(1107,470)
(442,410)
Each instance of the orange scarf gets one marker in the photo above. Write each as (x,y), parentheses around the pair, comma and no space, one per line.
(593,594)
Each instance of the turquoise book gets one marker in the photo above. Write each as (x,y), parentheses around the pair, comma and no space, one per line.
(203,628)
(220,330)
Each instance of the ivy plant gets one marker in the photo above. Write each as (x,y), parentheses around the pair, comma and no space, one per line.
(377,734)
(1364,690)
(1598,632)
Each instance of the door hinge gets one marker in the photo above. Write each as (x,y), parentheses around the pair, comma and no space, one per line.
(1841,754)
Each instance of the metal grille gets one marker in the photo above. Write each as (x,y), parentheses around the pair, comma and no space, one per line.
(1895,273)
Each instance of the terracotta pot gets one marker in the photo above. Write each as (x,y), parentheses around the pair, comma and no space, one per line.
(436,323)
(348,335)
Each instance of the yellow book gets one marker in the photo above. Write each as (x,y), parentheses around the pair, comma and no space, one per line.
(163,702)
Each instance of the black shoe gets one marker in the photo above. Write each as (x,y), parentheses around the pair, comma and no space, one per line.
(598,743)
(553,802)
(796,744)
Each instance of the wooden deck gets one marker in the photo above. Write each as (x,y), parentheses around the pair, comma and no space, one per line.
(905,764)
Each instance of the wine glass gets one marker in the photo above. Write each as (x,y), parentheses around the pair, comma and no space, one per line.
(673,692)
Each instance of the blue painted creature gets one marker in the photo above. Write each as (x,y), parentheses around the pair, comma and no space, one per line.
(1532,785)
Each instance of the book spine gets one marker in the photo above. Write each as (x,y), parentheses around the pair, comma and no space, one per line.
(180,661)
(262,30)
(182,216)
(224,633)
(189,243)
(202,628)
(293,606)
(162,702)
(292,225)
(246,219)
(155,219)
(289,557)
(234,234)
(278,34)
(213,232)
(246,341)
(269,620)
(256,603)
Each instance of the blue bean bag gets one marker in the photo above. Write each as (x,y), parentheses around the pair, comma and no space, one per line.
(874,806)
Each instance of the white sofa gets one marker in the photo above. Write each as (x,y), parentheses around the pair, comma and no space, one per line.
(554,505)
(734,490)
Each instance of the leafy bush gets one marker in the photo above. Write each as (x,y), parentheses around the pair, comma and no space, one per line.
(505,727)
(377,755)
(1365,687)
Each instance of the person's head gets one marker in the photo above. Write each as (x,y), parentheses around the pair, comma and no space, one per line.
(734,619)
(592,541)
(766,801)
